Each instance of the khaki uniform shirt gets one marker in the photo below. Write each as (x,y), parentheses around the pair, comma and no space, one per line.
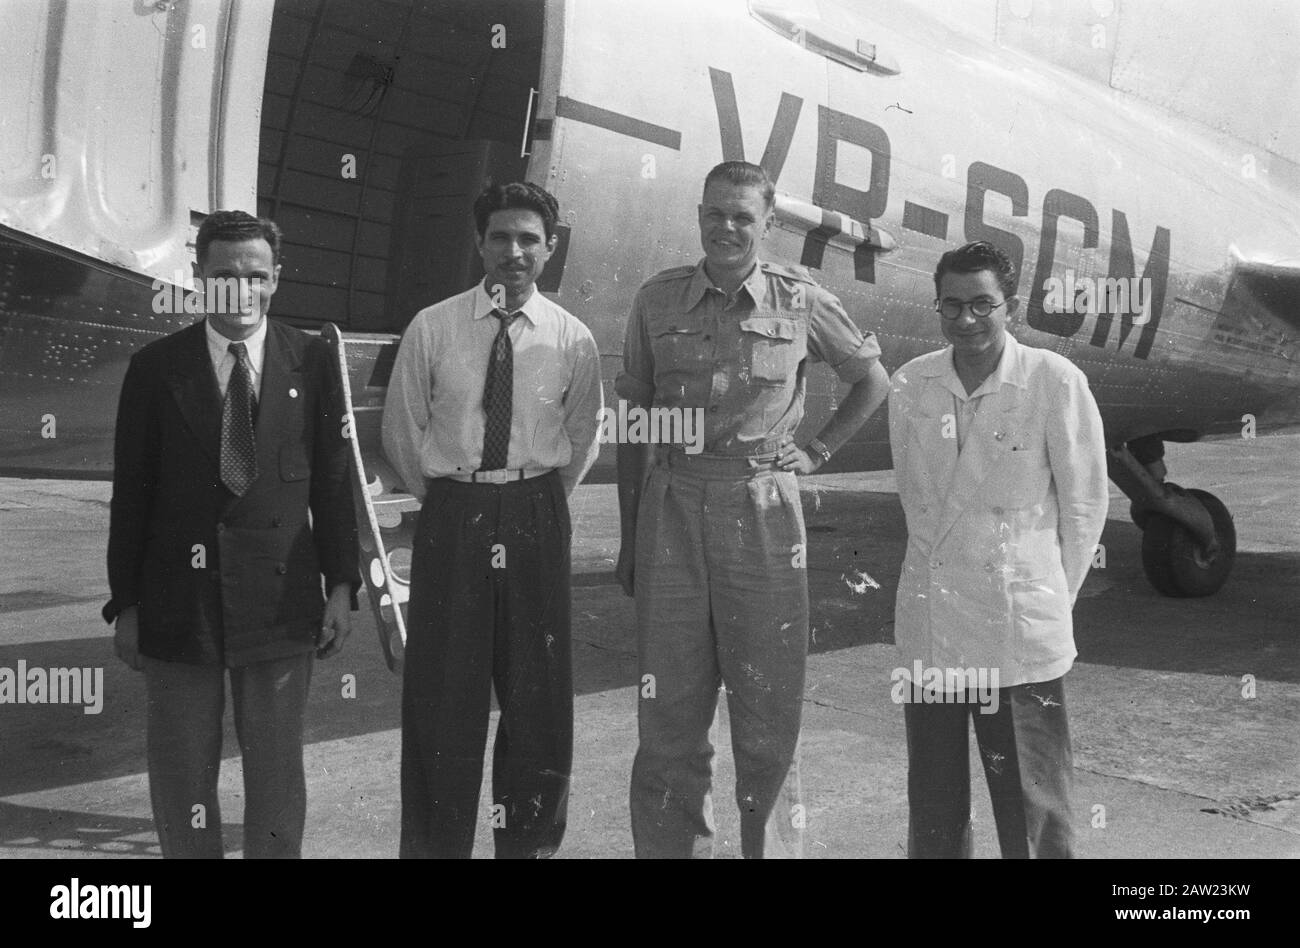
(741,360)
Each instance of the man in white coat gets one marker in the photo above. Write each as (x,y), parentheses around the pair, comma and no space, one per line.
(1001,466)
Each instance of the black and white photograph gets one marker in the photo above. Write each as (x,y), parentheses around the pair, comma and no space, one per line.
(655,429)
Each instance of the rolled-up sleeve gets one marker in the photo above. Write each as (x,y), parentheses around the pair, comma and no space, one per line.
(636,382)
(835,340)
(1076,449)
(406,408)
(583,402)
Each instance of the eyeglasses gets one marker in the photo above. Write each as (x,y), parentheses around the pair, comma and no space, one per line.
(980,309)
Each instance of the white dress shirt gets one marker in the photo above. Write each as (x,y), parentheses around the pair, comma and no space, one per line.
(433,413)
(223,360)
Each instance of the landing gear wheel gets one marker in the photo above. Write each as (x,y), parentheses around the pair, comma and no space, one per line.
(1140,513)
(1176,564)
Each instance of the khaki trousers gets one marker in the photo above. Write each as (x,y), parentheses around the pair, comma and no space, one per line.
(721,599)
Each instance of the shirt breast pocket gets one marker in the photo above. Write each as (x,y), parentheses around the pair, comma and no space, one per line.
(677,347)
(680,356)
(774,348)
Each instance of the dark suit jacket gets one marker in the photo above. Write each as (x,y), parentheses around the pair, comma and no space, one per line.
(220,578)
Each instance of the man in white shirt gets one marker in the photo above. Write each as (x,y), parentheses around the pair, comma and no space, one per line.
(491,419)
(1001,465)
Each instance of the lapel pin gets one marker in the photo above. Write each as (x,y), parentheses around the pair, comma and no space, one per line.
(293,393)
(999,435)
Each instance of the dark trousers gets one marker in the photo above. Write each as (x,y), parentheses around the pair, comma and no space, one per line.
(1025,747)
(489,609)
(185,707)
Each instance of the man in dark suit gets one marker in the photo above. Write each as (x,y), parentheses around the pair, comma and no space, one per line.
(228,433)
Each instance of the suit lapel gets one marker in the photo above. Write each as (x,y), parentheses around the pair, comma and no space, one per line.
(193,384)
(986,437)
(282,386)
(935,409)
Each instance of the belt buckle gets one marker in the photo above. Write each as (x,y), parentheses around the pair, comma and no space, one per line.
(500,476)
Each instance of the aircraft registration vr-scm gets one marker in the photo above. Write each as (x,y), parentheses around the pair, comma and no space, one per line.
(1154,227)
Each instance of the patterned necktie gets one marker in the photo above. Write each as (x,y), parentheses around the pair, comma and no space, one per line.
(498,394)
(238,454)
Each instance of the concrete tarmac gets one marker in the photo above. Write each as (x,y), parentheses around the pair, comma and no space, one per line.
(1174,757)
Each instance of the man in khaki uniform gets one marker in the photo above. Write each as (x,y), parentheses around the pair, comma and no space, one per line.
(713,542)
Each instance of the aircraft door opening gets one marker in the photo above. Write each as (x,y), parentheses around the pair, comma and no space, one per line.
(380,122)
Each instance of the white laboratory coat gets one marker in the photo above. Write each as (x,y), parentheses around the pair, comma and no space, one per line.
(1000,536)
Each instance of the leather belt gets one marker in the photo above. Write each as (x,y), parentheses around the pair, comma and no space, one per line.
(712,465)
(502,476)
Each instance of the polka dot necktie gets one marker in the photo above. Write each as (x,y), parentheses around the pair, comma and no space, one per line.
(238,453)
(498,394)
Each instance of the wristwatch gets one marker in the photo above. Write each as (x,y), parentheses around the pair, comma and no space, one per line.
(815,446)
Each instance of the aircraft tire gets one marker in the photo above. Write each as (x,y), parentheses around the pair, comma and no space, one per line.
(1174,562)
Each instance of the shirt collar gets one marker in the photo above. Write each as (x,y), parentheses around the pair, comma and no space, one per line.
(219,345)
(1009,371)
(755,284)
(533,307)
